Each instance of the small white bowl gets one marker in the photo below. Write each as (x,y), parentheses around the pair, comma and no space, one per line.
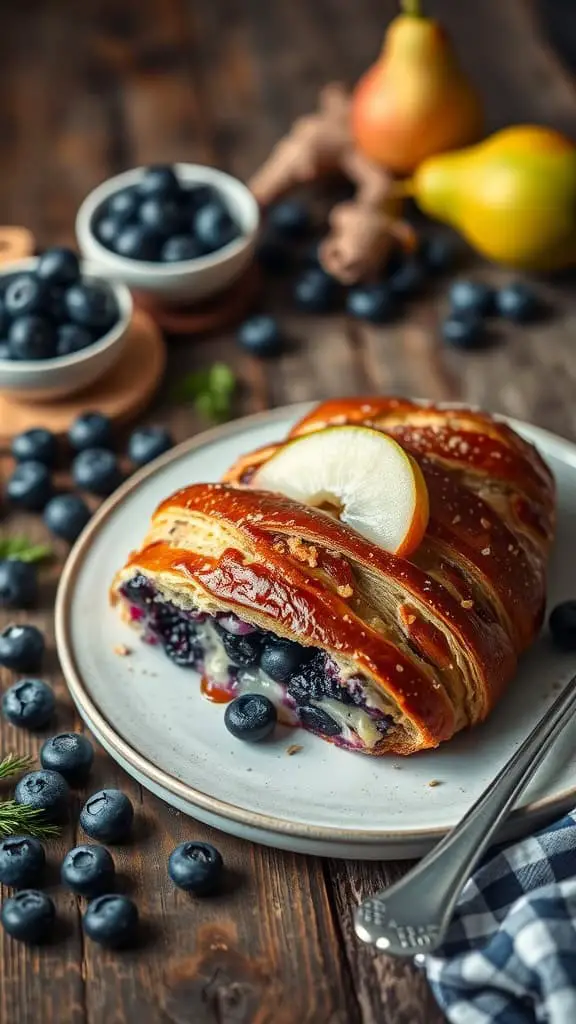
(46,379)
(187,280)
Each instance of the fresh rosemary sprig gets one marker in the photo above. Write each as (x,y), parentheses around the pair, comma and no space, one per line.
(14,763)
(16,818)
(19,819)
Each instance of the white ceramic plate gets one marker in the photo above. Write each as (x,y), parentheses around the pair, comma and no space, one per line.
(149,714)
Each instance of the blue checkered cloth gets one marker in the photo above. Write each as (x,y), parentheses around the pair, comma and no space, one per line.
(510,953)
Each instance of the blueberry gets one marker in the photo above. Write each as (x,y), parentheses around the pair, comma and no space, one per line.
(92,304)
(107,230)
(562,623)
(90,430)
(273,256)
(45,791)
(214,227)
(317,720)
(180,641)
(28,916)
(289,218)
(439,253)
(251,717)
(196,867)
(163,216)
(96,470)
(66,516)
(518,302)
(55,305)
(138,242)
(29,704)
(195,196)
(159,181)
(58,266)
(37,445)
(123,205)
(31,337)
(371,302)
(311,255)
(260,335)
(181,247)
(464,330)
(242,650)
(88,870)
(22,861)
(21,648)
(30,486)
(148,443)
(111,921)
(471,297)
(315,291)
(69,753)
(18,584)
(107,815)
(281,658)
(72,338)
(409,279)
(4,318)
(24,295)
(318,678)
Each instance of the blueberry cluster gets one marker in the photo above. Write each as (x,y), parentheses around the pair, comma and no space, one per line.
(162,219)
(95,469)
(29,915)
(308,675)
(51,311)
(474,303)
(282,250)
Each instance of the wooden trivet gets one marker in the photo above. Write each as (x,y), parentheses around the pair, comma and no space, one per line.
(16,244)
(122,393)
(214,314)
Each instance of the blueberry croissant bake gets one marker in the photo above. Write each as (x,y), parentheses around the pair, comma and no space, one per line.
(375,641)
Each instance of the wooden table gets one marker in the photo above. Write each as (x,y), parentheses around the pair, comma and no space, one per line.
(89,89)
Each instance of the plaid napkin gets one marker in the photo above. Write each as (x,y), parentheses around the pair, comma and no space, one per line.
(510,953)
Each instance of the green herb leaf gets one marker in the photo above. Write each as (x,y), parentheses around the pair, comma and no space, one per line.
(16,819)
(210,390)
(23,550)
(13,763)
(222,379)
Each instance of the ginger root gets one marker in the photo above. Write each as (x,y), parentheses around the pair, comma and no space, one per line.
(361,240)
(312,149)
(362,231)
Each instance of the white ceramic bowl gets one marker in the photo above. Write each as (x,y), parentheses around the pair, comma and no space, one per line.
(187,280)
(46,379)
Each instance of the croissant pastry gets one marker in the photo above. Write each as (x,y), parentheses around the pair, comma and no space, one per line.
(385,654)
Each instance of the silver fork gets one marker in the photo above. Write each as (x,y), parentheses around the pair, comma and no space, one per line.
(412,916)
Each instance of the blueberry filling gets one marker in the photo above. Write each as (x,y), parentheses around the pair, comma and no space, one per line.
(317,720)
(307,686)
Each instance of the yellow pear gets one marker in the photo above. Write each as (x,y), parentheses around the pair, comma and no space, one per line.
(415,100)
(512,196)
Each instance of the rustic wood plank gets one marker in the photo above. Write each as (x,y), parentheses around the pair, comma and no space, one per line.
(85,94)
(389,991)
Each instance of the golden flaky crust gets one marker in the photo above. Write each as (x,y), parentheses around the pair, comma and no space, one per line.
(438,635)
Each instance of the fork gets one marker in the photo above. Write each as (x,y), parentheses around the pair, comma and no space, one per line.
(412,916)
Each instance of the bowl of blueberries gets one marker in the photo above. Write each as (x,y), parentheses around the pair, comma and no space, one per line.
(61,325)
(177,233)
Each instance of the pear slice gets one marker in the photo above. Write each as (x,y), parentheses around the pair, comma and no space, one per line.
(358,474)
